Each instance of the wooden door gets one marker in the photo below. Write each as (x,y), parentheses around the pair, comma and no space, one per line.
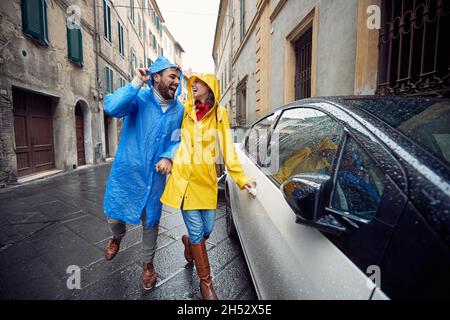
(33,129)
(79,124)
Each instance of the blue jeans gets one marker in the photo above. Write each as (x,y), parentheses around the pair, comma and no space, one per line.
(199,223)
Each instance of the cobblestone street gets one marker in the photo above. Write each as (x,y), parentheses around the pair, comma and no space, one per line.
(48,225)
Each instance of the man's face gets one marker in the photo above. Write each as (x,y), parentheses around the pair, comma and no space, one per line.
(167,83)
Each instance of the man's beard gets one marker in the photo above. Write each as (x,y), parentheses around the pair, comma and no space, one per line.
(164,91)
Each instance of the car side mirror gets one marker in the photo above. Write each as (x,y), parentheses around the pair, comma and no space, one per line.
(306,195)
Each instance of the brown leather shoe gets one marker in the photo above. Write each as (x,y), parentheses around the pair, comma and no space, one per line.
(203,270)
(149,276)
(112,248)
(187,248)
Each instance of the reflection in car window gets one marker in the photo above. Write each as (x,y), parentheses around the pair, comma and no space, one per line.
(305,141)
(425,121)
(257,141)
(359,183)
(238,133)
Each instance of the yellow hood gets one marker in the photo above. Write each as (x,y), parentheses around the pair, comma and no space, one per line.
(327,145)
(210,80)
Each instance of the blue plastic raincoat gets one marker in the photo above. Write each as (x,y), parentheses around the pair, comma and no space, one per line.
(148,134)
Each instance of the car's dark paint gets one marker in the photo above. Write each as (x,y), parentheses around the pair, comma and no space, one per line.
(416,263)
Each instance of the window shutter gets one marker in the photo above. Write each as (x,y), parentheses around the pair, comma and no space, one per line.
(132,10)
(108,80)
(119,37)
(109,24)
(105,27)
(111,81)
(34,19)
(75,45)
(107,20)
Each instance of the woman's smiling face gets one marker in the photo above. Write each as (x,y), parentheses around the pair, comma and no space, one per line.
(199,89)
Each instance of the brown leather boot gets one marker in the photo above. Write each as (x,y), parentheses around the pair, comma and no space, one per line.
(149,280)
(203,270)
(187,248)
(112,248)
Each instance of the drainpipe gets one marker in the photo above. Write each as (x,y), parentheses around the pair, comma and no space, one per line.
(97,148)
(145,38)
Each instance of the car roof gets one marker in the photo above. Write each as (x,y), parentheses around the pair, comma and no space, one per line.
(345,100)
(389,112)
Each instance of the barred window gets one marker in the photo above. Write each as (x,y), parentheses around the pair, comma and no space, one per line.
(414,51)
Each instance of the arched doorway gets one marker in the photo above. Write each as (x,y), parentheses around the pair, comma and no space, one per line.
(79,126)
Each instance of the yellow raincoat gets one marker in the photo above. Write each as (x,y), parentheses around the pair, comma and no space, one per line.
(193,181)
(301,161)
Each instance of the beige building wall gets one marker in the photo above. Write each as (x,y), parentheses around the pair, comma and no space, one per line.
(223,56)
(344,57)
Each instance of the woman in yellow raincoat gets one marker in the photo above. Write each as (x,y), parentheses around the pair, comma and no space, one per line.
(192,186)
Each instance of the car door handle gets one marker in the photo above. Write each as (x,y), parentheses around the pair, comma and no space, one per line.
(252,192)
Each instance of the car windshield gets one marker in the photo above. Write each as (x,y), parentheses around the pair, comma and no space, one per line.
(425,121)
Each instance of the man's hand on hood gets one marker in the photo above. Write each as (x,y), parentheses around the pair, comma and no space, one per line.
(141,73)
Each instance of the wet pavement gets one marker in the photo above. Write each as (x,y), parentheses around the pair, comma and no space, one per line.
(48,225)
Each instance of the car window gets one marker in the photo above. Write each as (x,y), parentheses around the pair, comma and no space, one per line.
(238,133)
(425,121)
(257,140)
(305,140)
(359,183)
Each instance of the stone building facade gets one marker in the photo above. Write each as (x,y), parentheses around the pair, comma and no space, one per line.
(58,60)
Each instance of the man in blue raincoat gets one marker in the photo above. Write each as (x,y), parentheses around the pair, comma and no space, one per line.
(152,119)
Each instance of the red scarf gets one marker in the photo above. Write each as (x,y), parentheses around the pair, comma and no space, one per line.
(201,109)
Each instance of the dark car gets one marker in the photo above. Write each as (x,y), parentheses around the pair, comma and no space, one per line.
(353,199)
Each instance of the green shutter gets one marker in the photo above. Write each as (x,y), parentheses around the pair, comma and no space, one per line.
(107,20)
(75,45)
(108,80)
(111,84)
(105,26)
(34,19)
(109,24)
(121,41)
(120,37)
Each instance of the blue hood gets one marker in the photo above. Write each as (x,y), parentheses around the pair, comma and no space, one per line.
(161,64)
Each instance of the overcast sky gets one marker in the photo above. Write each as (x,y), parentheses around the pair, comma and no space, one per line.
(192,23)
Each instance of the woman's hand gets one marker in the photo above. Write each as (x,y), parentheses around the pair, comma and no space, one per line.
(164,166)
(249,185)
(251,188)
